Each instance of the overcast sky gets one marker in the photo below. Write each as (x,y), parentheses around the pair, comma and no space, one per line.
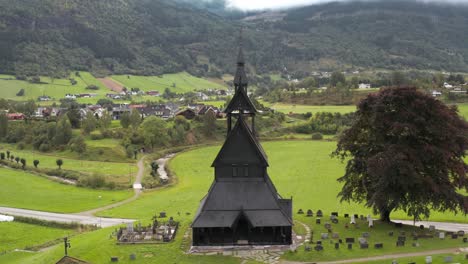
(262,4)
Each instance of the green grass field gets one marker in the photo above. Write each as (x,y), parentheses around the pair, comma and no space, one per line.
(15,235)
(301,109)
(184,82)
(113,171)
(24,190)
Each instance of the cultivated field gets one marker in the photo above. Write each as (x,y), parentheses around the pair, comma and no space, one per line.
(24,190)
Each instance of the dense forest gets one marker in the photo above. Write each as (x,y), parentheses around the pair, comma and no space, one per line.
(152,37)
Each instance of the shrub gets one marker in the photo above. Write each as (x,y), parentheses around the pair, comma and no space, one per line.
(17,159)
(44,147)
(317,136)
(94,181)
(92,87)
(23,163)
(96,136)
(2,156)
(20,93)
(20,146)
(35,162)
(59,163)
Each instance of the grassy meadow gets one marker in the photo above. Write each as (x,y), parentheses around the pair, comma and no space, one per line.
(113,171)
(15,235)
(24,190)
(302,109)
(178,82)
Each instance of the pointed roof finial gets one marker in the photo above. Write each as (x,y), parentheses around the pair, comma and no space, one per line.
(240,57)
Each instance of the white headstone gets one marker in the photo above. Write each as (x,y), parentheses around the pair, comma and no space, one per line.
(130,227)
(441,235)
(432,228)
(428,259)
(353,220)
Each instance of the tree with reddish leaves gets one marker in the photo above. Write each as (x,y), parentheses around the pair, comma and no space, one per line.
(405,151)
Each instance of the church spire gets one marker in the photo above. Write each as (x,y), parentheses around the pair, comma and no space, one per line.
(240,79)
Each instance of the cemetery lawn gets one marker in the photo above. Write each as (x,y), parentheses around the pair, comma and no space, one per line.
(436,259)
(24,190)
(378,234)
(183,81)
(113,171)
(302,109)
(15,235)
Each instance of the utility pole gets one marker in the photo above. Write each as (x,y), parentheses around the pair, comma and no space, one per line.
(66,244)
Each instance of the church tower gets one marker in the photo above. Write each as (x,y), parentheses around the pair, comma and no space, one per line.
(242,206)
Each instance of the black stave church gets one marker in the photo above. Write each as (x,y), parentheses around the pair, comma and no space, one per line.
(242,206)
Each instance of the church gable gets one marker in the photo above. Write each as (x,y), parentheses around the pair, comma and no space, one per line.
(240,148)
(240,101)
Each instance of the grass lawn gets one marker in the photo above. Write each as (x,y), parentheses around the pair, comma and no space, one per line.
(113,171)
(378,234)
(183,81)
(15,235)
(24,190)
(301,109)
(436,259)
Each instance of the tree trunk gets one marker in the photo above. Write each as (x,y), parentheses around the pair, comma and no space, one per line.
(385,215)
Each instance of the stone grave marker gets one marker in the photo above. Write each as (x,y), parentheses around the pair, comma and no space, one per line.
(350,240)
(319,242)
(319,213)
(337,245)
(461,233)
(130,227)
(394,261)
(431,228)
(390,233)
(400,243)
(324,236)
(318,248)
(378,245)
(402,233)
(310,213)
(114,259)
(340,241)
(162,215)
(335,221)
(449,233)
(366,234)
(334,214)
(307,248)
(335,236)
(441,235)
(362,240)
(454,236)
(428,259)
(448,259)
(465,240)
(132,256)
(416,244)
(401,238)
(317,221)
(300,211)
(364,246)
(327,225)
(350,246)
(356,216)
(346,215)
(353,220)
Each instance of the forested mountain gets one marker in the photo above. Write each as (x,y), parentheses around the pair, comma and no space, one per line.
(160,36)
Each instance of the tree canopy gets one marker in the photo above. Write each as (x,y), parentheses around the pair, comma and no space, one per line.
(405,151)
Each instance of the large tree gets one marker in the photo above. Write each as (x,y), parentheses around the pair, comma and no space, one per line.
(405,151)
(154,131)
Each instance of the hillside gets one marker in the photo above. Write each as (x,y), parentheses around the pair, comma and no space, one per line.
(153,37)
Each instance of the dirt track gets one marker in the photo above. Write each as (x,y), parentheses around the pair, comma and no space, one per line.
(111,84)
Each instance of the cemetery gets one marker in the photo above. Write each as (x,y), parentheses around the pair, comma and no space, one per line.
(158,231)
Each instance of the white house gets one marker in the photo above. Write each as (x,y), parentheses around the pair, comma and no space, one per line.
(364,86)
(447,86)
(436,93)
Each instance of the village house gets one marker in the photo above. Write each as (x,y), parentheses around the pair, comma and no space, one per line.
(156,110)
(119,109)
(436,93)
(44,98)
(187,113)
(15,116)
(364,86)
(153,93)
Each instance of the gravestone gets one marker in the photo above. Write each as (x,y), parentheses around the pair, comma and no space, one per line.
(350,240)
(448,259)
(429,260)
(461,233)
(319,242)
(307,248)
(465,240)
(398,225)
(390,233)
(324,236)
(317,221)
(318,248)
(130,227)
(449,233)
(327,225)
(335,220)
(441,235)
(310,213)
(454,236)
(335,236)
(364,246)
(334,214)
(416,244)
(394,261)
(337,245)
(162,215)
(401,238)
(346,215)
(362,240)
(400,243)
(356,216)
(300,211)
(378,245)
(421,227)
(366,234)
(114,259)
(319,213)
(353,220)
(340,241)
(402,233)
(350,246)
(132,256)
(431,228)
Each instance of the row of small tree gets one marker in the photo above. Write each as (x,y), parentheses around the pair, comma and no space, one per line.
(9,156)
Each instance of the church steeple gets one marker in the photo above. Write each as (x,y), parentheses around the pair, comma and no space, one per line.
(240,79)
